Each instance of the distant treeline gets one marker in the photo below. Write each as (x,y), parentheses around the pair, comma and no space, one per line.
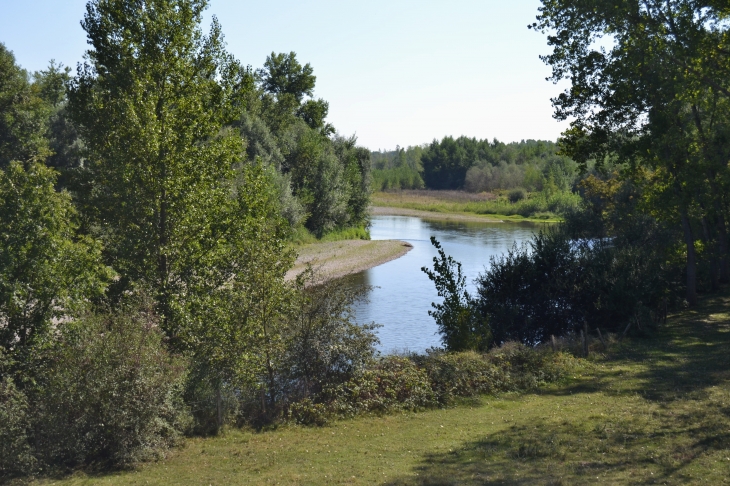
(474,165)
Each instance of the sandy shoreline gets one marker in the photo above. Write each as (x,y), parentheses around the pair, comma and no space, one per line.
(432,215)
(335,259)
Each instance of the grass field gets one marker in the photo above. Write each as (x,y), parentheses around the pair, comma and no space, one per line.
(537,207)
(650,411)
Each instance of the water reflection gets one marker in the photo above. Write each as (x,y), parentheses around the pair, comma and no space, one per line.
(403,293)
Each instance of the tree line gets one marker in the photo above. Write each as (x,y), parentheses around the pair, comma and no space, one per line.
(475,165)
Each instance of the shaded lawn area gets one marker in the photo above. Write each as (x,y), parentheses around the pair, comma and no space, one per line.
(653,411)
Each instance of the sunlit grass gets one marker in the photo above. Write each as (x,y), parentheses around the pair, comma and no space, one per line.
(651,411)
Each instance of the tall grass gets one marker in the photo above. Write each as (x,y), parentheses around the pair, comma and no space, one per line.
(539,205)
(302,236)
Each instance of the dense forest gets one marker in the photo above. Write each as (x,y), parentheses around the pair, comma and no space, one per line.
(474,165)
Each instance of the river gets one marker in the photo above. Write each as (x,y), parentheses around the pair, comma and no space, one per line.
(402,294)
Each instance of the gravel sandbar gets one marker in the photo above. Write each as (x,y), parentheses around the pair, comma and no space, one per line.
(334,259)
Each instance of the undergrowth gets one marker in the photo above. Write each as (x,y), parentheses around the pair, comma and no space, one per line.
(302,236)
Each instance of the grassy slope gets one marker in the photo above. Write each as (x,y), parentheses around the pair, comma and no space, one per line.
(450,202)
(650,412)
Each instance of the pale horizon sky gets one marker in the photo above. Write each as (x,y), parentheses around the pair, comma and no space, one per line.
(396,72)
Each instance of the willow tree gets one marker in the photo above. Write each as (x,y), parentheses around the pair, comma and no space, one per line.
(165,184)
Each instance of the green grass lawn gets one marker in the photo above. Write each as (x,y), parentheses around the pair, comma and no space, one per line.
(649,412)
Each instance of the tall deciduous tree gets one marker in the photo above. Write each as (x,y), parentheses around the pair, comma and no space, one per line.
(652,94)
(165,186)
(23,114)
(46,272)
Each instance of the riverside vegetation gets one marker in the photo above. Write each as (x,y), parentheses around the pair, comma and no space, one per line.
(649,410)
(149,208)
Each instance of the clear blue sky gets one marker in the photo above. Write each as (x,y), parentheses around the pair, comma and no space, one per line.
(395,72)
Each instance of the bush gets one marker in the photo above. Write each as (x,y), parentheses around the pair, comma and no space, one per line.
(561,279)
(458,323)
(15,452)
(525,368)
(393,383)
(516,195)
(464,374)
(110,393)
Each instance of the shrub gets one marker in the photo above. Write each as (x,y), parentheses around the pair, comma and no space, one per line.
(15,452)
(525,368)
(463,374)
(461,327)
(516,195)
(392,383)
(110,393)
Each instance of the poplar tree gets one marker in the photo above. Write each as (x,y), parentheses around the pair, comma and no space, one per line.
(164,182)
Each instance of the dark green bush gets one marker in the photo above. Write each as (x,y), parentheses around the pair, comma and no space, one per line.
(110,394)
(16,455)
(516,195)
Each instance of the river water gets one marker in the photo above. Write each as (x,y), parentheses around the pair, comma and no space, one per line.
(402,294)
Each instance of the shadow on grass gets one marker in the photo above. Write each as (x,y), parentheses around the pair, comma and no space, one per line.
(637,451)
(676,427)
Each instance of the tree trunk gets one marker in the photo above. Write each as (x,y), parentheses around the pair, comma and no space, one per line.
(691,260)
(219,407)
(714,262)
(722,249)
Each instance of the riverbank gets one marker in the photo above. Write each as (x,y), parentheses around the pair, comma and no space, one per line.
(432,215)
(463,206)
(334,259)
(647,411)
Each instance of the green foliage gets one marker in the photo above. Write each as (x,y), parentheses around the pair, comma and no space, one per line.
(463,374)
(109,392)
(46,271)
(516,195)
(400,169)
(558,203)
(325,345)
(461,328)
(16,457)
(436,379)
(163,188)
(302,236)
(23,114)
(396,178)
(510,367)
(480,165)
(655,102)
(562,279)
(282,74)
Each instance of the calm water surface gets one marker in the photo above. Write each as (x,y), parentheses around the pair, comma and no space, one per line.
(402,293)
